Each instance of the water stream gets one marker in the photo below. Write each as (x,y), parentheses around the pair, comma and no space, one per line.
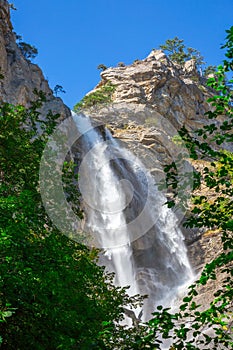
(126,215)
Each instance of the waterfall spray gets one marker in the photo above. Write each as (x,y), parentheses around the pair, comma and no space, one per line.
(124,209)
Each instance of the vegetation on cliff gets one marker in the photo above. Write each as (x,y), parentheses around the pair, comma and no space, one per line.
(179,53)
(100,96)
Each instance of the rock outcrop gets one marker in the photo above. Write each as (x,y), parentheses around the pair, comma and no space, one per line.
(20,76)
(152,99)
(156,82)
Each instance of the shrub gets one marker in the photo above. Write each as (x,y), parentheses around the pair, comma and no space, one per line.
(99,96)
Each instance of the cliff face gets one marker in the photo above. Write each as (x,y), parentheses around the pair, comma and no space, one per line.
(152,99)
(157,83)
(20,76)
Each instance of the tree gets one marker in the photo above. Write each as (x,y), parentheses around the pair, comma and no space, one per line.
(195,55)
(53,295)
(179,53)
(58,89)
(188,328)
(28,51)
(102,67)
(175,50)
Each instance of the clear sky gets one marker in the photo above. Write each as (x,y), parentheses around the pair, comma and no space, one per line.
(74,36)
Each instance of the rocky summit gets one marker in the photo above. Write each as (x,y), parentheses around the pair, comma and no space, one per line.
(177,93)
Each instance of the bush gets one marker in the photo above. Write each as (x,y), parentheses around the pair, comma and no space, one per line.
(99,96)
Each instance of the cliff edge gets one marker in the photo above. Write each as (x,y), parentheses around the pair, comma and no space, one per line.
(20,76)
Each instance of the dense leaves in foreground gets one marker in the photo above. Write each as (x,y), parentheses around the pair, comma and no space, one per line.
(52,293)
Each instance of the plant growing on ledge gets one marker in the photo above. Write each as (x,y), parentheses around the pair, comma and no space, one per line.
(179,53)
(28,51)
(102,67)
(100,96)
(121,64)
(58,89)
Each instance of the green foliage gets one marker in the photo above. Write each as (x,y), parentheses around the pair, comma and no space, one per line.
(28,51)
(58,89)
(101,95)
(188,328)
(210,70)
(102,67)
(177,52)
(52,293)
(121,64)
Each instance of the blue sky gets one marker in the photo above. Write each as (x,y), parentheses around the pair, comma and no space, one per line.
(74,36)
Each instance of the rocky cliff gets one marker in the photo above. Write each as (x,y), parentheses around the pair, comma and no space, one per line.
(179,94)
(20,76)
(151,100)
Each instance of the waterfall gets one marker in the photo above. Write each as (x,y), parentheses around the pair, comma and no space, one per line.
(126,215)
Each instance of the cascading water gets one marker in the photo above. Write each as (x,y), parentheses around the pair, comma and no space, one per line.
(127,217)
(104,201)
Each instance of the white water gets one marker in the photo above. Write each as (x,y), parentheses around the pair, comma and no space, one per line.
(123,205)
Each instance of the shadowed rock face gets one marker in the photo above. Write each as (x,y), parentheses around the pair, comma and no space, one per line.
(21,76)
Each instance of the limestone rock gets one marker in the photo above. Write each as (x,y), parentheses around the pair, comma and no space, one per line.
(153,98)
(190,67)
(160,84)
(20,76)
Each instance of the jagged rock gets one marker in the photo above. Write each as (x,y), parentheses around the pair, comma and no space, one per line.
(153,98)
(190,67)
(21,76)
(158,83)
